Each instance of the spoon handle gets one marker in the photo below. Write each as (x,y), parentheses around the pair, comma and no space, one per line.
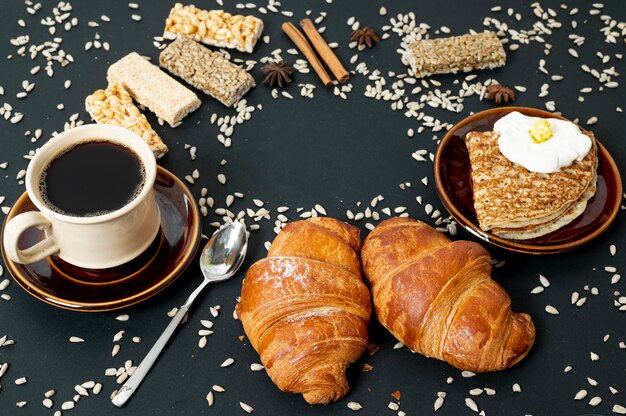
(127,390)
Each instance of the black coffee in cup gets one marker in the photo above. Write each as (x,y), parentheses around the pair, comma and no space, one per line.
(95,177)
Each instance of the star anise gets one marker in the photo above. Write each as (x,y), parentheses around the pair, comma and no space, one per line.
(367,36)
(499,93)
(277,73)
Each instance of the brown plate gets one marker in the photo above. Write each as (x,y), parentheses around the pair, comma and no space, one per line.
(60,284)
(454,187)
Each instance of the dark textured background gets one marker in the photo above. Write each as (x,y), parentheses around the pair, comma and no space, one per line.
(299,153)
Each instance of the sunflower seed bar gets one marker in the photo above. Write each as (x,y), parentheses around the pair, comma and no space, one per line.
(153,88)
(206,70)
(453,54)
(114,106)
(213,27)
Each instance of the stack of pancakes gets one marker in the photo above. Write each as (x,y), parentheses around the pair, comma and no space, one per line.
(514,203)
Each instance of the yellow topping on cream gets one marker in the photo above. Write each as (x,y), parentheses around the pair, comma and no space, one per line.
(541,131)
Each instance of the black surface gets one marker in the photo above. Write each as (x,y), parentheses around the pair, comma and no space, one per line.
(298,153)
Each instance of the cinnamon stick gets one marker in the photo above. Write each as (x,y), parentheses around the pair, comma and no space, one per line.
(322,48)
(301,43)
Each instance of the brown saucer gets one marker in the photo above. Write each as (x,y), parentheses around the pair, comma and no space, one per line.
(61,284)
(454,187)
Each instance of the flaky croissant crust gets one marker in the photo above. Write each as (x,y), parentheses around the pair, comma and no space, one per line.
(438,298)
(306,309)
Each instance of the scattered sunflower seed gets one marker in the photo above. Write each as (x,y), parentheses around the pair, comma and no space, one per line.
(81,390)
(438,403)
(619,409)
(595,401)
(354,406)
(537,290)
(227,362)
(246,407)
(471,404)
(68,405)
(118,336)
(580,395)
(552,310)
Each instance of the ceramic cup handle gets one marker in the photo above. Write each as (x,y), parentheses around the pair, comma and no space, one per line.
(14,230)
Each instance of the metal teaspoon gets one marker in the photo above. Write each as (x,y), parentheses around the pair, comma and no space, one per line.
(220,259)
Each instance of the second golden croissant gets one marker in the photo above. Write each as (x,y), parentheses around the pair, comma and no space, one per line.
(438,298)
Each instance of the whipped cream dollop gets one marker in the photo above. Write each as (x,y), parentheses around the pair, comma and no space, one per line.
(518,142)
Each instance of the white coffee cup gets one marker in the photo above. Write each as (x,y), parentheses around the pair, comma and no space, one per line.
(94,242)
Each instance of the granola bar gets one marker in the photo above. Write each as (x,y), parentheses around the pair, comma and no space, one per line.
(213,27)
(453,54)
(153,88)
(114,106)
(206,70)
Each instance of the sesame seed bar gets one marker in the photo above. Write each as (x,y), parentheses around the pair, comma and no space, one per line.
(213,27)
(114,106)
(153,88)
(206,70)
(453,54)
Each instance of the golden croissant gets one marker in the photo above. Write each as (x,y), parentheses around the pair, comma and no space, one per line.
(438,298)
(306,309)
